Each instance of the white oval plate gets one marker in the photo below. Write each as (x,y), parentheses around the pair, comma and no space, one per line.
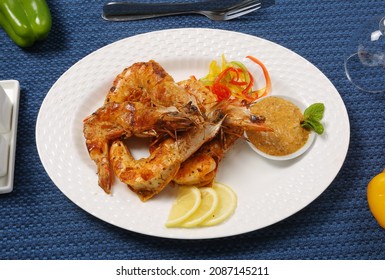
(267,191)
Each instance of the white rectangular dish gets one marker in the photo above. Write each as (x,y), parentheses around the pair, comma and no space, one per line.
(12,90)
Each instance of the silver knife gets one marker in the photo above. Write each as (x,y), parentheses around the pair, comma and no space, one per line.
(125,11)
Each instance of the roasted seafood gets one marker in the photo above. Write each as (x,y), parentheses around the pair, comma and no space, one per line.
(126,119)
(237,113)
(191,130)
(201,168)
(148,176)
(149,83)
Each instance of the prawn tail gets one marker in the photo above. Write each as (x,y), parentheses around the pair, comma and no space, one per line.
(105,176)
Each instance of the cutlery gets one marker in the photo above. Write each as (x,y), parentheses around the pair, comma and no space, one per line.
(215,10)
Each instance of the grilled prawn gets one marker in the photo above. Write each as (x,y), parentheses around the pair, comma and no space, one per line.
(116,120)
(149,83)
(148,176)
(201,168)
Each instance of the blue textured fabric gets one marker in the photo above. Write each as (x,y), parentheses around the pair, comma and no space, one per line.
(38,222)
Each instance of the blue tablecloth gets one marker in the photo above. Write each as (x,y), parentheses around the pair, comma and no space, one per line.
(38,222)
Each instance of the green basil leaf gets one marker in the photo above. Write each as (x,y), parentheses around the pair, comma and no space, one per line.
(314,125)
(314,112)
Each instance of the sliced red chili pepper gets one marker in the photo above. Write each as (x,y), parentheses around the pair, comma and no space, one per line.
(221,91)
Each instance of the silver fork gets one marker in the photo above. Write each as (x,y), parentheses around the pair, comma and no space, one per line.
(124,11)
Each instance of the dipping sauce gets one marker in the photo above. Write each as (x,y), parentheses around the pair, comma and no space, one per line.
(284,117)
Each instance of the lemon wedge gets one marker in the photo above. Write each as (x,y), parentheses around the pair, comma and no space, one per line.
(186,203)
(209,202)
(227,202)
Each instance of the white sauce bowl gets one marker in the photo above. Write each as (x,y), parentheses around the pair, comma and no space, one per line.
(300,151)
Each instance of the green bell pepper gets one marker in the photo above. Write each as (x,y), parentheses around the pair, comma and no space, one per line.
(25,21)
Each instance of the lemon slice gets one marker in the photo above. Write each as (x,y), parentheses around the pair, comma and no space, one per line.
(227,202)
(186,203)
(209,202)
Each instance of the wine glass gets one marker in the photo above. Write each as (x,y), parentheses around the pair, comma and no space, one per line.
(365,58)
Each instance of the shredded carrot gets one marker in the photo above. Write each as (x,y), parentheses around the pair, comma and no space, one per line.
(265,73)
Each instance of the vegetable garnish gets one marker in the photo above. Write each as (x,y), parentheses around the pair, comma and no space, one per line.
(25,21)
(376,197)
(266,90)
(313,116)
(232,80)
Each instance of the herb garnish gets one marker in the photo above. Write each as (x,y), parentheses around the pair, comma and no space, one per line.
(312,117)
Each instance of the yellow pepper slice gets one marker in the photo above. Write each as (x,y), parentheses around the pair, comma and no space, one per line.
(376,197)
